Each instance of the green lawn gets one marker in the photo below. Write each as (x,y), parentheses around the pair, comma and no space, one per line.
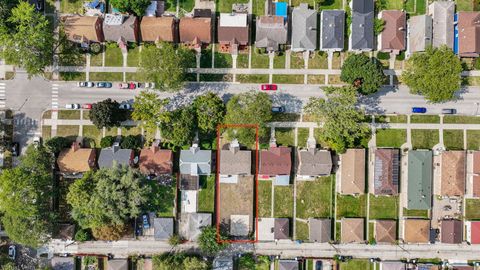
(314,198)
(259,60)
(425,119)
(394,4)
(242,60)
(92,135)
(464,5)
(206,57)
(67,130)
(316,79)
(421,7)
(453,139)
(383,207)
(106,76)
(302,137)
(72,76)
(473,139)
(71,6)
(318,60)
(133,58)
(283,201)
(206,195)
(131,130)
(296,61)
(96,59)
(371,232)
(68,114)
(331,4)
(113,56)
(225,6)
(171,5)
(424,138)
(351,206)
(397,119)
(223,60)
(136,77)
(356,264)
(459,119)
(391,137)
(472,209)
(264,198)
(163,200)
(258,7)
(279,60)
(285,136)
(415,213)
(46,132)
(301,231)
(187,5)
(288,79)
(297,2)
(111,132)
(86,114)
(245,78)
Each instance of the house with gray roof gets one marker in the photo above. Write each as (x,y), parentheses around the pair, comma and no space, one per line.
(362,36)
(442,13)
(195,161)
(313,162)
(163,228)
(420,34)
(288,265)
(115,155)
(319,230)
(304,23)
(234,162)
(117,264)
(332,30)
(420,180)
(191,225)
(117,27)
(271,32)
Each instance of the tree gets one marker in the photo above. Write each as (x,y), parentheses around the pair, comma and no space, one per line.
(113,232)
(149,109)
(131,142)
(207,241)
(210,111)
(8,266)
(106,113)
(365,73)
(165,65)
(182,261)
(83,235)
(95,48)
(28,40)
(56,144)
(434,74)
(248,108)
(136,7)
(178,127)
(107,198)
(342,121)
(378,26)
(107,141)
(174,240)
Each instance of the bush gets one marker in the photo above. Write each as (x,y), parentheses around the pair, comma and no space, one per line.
(95,48)
(107,141)
(57,144)
(174,240)
(383,56)
(131,142)
(83,235)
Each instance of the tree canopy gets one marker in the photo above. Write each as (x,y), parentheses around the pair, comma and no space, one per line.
(27,38)
(434,74)
(107,114)
(207,241)
(136,7)
(179,126)
(210,111)
(181,261)
(252,107)
(165,65)
(25,196)
(363,72)
(149,109)
(343,124)
(57,144)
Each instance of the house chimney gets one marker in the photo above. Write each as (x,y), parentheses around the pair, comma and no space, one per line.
(234,146)
(194,148)
(155,146)
(273,143)
(115,146)
(75,146)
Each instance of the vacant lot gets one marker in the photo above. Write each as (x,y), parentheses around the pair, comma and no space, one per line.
(391,137)
(283,205)
(314,198)
(424,138)
(383,207)
(453,139)
(237,199)
(350,206)
(472,210)
(264,198)
(206,195)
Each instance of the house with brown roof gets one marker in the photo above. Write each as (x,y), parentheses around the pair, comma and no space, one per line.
(352,171)
(385,231)
(352,230)
(453,173)
(271,32)
(386,171)
(234,162)
(83,29)
(233,32)
(276,164)
(157,29)
(120,28)
(155,161)
(416,231)
(270,229)
(196,31)
(476,173)
(393,37)
(468,34)
(451,231)
(76,160)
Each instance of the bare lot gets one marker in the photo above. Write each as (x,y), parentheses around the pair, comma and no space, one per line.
(237,199)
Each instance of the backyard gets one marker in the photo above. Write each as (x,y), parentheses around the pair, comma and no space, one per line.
(206,195)
(383,207)
(473,139)
(283,201)
(314,198)
(236,199)
(350,206)
(472,209)
(264,198)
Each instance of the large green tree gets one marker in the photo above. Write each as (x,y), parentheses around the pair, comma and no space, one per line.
(210,111)
(25,195)
(207,241)
(165,65)
(342,121)
(149,109)
(108,198)
(178,126)
(136,7)
(181,261)
(434,74)
(252,107)
(27,39)
(106,113)
(363,72)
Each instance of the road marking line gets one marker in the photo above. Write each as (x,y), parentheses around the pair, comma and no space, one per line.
(54,84)
(55,95)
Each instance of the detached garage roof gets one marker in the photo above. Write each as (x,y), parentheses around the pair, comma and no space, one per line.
(352,230)
(417,230)
(452,231)
(453,173)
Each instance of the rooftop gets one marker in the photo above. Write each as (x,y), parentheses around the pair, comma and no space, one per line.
(385,231)
(234,161)
(452,231)
(76,159)
(195,161)
(332,29)
(319,230)
(417,230)
(442,13)
(314,162)
(156,29)
(469,34)
(420,33)
(156,161)
(362,37)
(276,161)
(352,230)
(453,173)
(304,21)
(352,165)
(420,180)
(393,37)
(387,170)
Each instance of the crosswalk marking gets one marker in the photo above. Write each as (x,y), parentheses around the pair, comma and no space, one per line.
(54,96)
(2,95)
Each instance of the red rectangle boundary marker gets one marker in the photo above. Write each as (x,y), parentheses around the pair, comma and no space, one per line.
(217,182)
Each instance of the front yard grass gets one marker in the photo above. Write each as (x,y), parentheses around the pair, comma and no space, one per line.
(296,61)
(394,4)
(288,79)
(331,4)
(96,59)
(283,201)
(356,264)
(464,5)
(92,135)
(302,137)
(473,139)
(316,79)
(206,195)
(113,56)
(259,78)
(242,60)
(318,60)
(264,198)
(460,119)
(435,119)
(67,130)
(391,137)
(133,58)
(71,6)
(350,206)
(259,60)
(223,60)
(383,207)
(314,198)
(472,209)
(415,213)
(285,136)
(301,231)
(453,139)
(424,138)
(279,60)
(106,76)
(68,114)
(334,79)
(131,130)
(72,76)
(46,132)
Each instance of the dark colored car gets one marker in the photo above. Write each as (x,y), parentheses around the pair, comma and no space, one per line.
(15,149)
(145,221)
(449,111)
(278,109)
(104,85)
(38,4)
(269,87)
(419,110)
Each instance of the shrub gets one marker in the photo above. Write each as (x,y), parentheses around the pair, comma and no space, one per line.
(107,141)
(95,48)
(131,142)
(83,235)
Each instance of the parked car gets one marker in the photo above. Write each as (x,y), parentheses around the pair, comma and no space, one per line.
(449,111)
(419,110)
(146,222)
(72,106)
(12,252)
(130,85)
(125,106)
(150,85)
(15,149)
(104,85)
(87,106)
(86,84)
(278,109)
(269,87)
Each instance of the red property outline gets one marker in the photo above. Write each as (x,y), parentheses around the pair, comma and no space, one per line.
(217,182)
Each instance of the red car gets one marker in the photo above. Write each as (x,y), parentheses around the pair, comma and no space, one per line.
(87,106)
(130,85)
(269,87)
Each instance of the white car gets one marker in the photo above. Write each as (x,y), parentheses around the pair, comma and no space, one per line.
(150,85)
(86,84)
(37,141)
(72,106)
(12,252)
(125,106)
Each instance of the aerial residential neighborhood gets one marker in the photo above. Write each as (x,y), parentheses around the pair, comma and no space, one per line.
(239,134)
